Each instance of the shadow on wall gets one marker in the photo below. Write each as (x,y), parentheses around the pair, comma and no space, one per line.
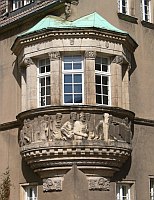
(29,175)
(16,72)
(119,176)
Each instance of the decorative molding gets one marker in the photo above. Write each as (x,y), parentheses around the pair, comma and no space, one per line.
(90,54)
(98,183)
(52,184)
(54,55)
(9,125)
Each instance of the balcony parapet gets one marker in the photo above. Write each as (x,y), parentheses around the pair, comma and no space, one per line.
(96,139)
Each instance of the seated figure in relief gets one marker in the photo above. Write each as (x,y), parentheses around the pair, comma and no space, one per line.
(67,129)
(81,128)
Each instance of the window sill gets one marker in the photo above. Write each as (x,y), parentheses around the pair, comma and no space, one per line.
(147,24)
(127,18)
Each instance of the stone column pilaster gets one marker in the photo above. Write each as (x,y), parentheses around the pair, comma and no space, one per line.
(116,81)
(89,77)
(120,82)
(55,77)
(29,83)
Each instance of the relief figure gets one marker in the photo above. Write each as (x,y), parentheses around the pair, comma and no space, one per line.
(81,128)
(56,127)
(67,129)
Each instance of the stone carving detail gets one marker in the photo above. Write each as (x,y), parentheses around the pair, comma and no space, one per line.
(27,62)
(68,5)
(67,10)
(98,183)
(52,184)
(78,127)
(118,60)
(54,55)
(90,54)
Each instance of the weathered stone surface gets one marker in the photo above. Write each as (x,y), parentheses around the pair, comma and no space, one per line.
(52,140)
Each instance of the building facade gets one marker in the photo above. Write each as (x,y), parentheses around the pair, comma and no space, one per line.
(76,108)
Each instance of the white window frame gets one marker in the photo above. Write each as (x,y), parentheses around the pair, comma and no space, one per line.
(152,188)
(39,76)
(79,71)
(25,190)
(126,6)
(146,15)
(119,191)
(106,74)
(21,3)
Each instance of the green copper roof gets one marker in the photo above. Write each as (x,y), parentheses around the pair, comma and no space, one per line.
(95,20)
(89,21)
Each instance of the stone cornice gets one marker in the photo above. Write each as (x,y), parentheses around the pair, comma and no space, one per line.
(66,109)
(92,33)
(9,125)
(144,122)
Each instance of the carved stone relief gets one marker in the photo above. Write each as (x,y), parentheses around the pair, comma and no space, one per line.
(79,126)
(98,183)
(54,55)
(52,184)
(90,54)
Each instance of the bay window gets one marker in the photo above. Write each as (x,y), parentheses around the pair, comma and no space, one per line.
(102,81)
(73,79)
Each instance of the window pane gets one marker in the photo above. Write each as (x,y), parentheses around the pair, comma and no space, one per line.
(104,80)
(68,78)
(98,60)
(67,66)
(48,68)
(48,90)
(77,59)
(98,67)
(77,66)
(98,79)
(42,70)
(67,58)
(105,90)
(105,100)
(42,91)
(68,98)
(42,62)
(104,68)
(104,61)
(78,88)
(48,80)
(42,81)
(42,101)
(68,88)
(98,99)
(48,100)
(98,89)
(47,61)
(77,78)
(78,98)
